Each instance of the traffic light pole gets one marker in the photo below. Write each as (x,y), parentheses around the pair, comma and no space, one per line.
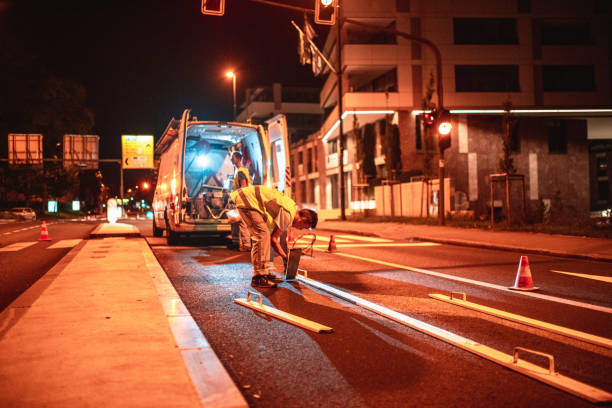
(340,127)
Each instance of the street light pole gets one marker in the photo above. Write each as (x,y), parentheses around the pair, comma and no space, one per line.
(232,75)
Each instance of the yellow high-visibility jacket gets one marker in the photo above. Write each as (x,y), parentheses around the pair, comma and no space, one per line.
(265,200)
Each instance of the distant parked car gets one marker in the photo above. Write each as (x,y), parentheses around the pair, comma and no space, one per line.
(23,213)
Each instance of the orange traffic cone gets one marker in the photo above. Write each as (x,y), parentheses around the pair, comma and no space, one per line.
(523,276)
(44,234)
(332,244)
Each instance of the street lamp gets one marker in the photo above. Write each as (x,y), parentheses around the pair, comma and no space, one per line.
(232,74)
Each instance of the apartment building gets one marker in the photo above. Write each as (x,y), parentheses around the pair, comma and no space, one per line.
(299,104)
(545,63)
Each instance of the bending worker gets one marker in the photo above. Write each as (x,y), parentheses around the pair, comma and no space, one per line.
(268,212)
(241,180)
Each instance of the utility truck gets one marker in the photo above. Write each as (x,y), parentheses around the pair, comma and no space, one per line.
(195,174)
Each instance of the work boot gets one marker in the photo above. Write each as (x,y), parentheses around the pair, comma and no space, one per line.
(273,278)
(262,281)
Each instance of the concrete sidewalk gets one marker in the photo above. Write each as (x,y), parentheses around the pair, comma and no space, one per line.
(530,243)
(105,327)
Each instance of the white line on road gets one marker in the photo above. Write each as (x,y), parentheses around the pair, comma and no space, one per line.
(17,246)
(550,376)
(479,283)
(586,276)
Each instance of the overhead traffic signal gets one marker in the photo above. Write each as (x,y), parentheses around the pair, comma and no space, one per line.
(325,11)
(429,117)
(213,7)
(444,130)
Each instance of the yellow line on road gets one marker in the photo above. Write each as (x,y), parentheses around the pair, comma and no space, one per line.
(399,244)
(586,276)
(565,331)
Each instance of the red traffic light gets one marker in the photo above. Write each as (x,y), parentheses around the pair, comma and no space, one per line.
(325,11)
(428,118)
(444,130)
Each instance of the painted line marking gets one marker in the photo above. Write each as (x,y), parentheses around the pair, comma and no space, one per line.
(17,246)
(547,376)
(479,283)
(565,331)
(65,243)
(367,239)
(399,244)
(586,276)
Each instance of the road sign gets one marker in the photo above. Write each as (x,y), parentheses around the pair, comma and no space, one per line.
(25,149)
(81,151)
(137,152)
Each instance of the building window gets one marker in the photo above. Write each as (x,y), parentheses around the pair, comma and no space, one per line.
(402,6)
(332,146)
(485,31)
(386,82)
(557,136)
(300,157)
(309,160)
(565,33)
(524,6)
(316,159)
(487,78)
(419,132)
(568,78)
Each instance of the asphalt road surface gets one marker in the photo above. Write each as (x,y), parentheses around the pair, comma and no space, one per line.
(371,361)
(24,258)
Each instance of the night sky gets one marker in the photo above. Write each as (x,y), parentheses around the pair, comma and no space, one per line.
(143,62)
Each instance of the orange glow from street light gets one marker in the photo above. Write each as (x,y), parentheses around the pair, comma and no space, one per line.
(326,3)
(230,74)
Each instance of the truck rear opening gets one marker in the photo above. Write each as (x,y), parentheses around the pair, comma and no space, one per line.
(208,169)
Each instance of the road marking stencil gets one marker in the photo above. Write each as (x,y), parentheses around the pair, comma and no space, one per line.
(564,331)
(479,283)
(586,276)
(548,376)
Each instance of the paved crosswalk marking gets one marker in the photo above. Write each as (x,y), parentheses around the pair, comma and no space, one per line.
(586,276)
(386,245)
(362,238)
(17,246)
(65,243)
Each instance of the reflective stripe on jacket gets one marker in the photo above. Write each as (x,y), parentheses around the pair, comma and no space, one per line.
(265,200)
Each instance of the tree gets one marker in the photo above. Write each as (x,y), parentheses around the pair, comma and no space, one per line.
(428,137)
(506,162)
(389,134)
(368,136)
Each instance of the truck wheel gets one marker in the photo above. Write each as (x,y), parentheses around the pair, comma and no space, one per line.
(157,232)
